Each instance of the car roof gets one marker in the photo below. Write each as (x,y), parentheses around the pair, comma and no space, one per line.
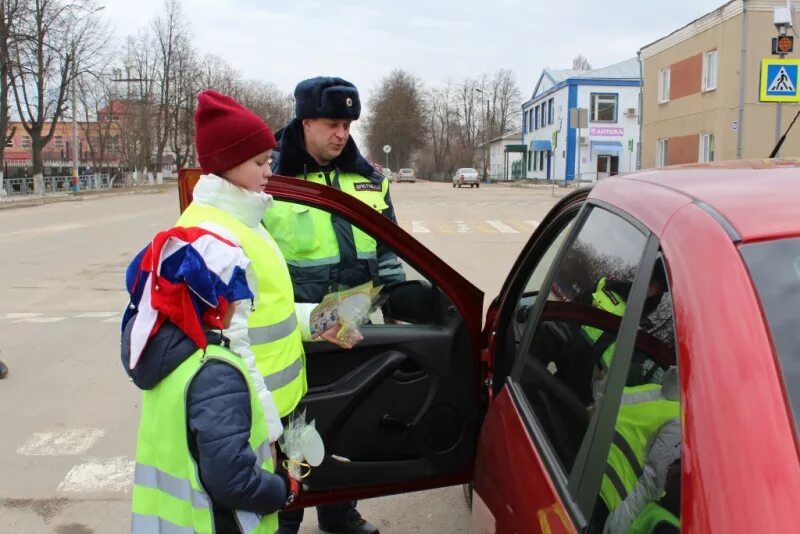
(759,198)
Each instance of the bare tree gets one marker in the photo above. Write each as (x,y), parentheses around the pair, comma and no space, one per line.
(57,41)
(8,14)
(266,101)
(507,100)
(581,63)
(138,123)
(186,77)
(170,31)
(101,130)
(396,118)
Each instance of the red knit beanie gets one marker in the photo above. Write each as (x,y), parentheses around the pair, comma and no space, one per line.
(227,133)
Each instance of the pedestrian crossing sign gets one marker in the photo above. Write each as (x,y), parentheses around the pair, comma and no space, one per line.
(779,80)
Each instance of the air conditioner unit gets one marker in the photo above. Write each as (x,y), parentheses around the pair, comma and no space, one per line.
(583,140)
(630,112)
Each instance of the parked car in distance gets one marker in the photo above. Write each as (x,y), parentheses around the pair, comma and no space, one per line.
(406,175)
(387,172)
(466,176)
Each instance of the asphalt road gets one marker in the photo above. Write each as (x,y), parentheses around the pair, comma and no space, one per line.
(68,416)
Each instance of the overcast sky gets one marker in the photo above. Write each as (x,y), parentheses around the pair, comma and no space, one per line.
(288,40)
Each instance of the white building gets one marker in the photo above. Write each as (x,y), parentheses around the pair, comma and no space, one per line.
(504,152)
(607,146)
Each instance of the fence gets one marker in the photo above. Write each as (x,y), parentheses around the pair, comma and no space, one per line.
(55,184)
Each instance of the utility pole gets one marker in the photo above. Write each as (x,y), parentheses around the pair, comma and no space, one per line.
(76,185)
(485,127)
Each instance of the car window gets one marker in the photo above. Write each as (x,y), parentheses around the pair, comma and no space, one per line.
(775,268)
(641,470)
(574,335)
(318,266)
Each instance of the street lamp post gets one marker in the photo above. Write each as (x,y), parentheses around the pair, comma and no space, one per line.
(485,126)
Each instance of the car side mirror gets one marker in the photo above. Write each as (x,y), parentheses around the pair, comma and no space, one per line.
(411,302)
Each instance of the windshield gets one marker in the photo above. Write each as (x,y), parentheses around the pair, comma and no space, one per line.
(775,268)
(467,171)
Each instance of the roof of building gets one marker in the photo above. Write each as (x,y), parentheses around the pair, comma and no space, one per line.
(510,136)
(625,70)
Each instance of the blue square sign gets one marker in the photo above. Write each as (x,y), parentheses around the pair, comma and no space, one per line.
(779,80)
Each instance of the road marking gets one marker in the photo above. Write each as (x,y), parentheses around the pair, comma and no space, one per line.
(444,228)
(19,315)
(68,442)
(40,320)
(502,227)
(117,318)
(96,315)
(462,227)
(419,227)
(532,223)
(520,227)
(98,475)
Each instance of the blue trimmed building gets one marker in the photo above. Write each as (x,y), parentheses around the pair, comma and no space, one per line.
(608,144)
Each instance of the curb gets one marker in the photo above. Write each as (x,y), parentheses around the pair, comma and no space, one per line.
(30,201)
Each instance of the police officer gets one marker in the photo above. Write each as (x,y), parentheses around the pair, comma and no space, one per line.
(324,252)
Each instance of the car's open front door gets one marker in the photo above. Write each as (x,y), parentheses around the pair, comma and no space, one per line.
(402,410)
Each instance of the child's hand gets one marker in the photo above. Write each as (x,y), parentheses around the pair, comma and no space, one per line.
(330,336)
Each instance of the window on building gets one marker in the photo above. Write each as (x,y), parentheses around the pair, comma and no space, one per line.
(661,152)
(59,142)
(10,141)
(525,122)
(530,157)
(710,70)
(663,85)
(26,141)
(530,121)
(603,107)
(541,161)
(535,160)
(536,117)
(550,111)
(706,148)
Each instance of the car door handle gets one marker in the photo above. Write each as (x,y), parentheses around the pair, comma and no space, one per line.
(395,425)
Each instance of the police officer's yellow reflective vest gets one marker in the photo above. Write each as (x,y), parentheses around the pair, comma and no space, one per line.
(643,411)
(653,515)
(307,236)
(167,494)
(275,336)
(612,302)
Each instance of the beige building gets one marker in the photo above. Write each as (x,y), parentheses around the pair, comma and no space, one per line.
(701,89)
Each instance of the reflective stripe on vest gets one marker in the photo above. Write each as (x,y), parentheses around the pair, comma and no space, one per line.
(167,495)
(273,330)
(653,515)
(611,302)
(306,235)
(643,412)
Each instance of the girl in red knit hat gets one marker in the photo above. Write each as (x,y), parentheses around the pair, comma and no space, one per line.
(234,148)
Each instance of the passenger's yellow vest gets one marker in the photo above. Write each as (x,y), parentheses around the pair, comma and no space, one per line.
(653,515)
(642,413)
(306,235)
(167,494)
(611,302)
(275,336)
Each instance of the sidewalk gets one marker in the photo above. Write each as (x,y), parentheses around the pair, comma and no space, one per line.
(25,201)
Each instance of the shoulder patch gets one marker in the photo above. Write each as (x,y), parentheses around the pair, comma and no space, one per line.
(367,186)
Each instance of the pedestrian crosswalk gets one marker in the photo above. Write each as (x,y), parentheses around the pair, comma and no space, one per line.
(88,474)
(111,317)
(494,226)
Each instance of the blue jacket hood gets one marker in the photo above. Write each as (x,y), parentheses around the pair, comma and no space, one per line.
(164,353)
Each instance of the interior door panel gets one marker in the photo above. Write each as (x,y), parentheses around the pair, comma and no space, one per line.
(400,406)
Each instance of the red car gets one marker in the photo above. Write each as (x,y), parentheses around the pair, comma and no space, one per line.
(437,396)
